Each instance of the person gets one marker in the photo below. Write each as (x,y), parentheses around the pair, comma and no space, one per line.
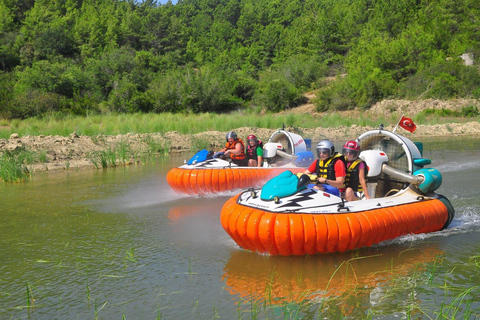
(356,170)
(235,149)
(254,151)
(329,168)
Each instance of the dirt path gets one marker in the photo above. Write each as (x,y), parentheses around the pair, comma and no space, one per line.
(57,153)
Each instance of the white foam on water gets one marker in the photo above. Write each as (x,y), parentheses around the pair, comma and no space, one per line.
(457,167)
(467,219)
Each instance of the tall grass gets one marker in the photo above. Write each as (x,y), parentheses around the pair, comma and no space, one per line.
(183,123)
(13,166)
(188,123)
(104,158)
(123,154)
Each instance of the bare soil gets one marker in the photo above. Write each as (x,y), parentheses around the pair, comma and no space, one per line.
(62,153)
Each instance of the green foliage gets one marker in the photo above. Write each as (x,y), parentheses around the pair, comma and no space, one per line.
(303,71)
(13,166)
(276,93)
(337,96)
(443,80)
(84,57)
(194,90)
(468,112)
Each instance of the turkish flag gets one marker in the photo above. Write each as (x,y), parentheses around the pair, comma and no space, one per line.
(407,124)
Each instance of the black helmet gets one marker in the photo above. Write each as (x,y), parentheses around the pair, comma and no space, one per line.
(325,146)
(231,134)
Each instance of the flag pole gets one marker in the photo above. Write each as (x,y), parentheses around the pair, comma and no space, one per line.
(398,123)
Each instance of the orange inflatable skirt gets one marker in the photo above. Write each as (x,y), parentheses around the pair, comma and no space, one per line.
(203,181)
(301,233)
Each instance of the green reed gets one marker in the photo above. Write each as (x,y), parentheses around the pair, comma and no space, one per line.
(13,166)
(156,147)
(29,295)
(123,151)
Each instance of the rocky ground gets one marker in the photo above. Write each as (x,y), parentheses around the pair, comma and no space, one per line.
(57,153)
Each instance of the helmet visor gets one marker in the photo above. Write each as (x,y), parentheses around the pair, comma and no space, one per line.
(346,151)
(323,151)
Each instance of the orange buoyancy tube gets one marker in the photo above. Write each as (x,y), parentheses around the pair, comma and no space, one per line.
(202,181)
(300,233)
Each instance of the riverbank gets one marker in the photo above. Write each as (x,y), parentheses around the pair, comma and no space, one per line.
(56,153)
(60,153)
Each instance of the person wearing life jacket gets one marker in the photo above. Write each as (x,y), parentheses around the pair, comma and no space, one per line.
(235,149)
(356,170)
(254,151)
(329,168)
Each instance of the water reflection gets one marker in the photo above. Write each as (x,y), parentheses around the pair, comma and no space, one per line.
(313,278)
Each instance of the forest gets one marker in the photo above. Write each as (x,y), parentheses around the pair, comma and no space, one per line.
(67,57)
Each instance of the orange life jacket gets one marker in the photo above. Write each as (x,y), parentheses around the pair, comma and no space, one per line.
(229,146)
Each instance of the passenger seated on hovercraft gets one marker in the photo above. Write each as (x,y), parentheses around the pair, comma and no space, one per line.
(235,149)
(329,168)
(254,151)
(356,170)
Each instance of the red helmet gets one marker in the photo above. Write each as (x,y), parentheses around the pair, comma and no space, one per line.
(252,137)
(351,147)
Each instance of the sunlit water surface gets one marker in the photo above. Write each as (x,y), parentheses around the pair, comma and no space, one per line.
(119,243)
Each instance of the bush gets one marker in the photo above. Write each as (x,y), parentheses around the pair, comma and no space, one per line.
(32,103)
(276,93)
(125,97)
(193,91)
(243,86)
(444,80)
(469,111)
(303,71)
(337,96)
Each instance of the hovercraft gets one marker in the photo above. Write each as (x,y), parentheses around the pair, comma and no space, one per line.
(204,173)
(286,217)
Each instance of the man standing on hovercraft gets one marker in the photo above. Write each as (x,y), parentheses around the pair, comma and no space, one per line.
(254,151)
(235,149)
(329,168)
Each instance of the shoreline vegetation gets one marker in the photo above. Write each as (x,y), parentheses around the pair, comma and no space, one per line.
(71,143)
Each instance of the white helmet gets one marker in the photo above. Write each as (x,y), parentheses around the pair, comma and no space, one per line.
(325,146)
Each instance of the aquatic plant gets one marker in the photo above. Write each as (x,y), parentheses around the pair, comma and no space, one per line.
(29,293)
(12,166)
(123,150)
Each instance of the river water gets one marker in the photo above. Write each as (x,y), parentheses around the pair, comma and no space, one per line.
(107,244)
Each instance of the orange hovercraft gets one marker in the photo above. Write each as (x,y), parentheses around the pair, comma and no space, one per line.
(204,173)
(288,217)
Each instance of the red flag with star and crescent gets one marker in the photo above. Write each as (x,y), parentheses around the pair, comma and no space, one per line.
(407,124)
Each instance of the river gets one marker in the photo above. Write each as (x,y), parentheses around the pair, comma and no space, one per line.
(107,244)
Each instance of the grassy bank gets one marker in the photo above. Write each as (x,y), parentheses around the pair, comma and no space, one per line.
(114,124)
(183,123)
